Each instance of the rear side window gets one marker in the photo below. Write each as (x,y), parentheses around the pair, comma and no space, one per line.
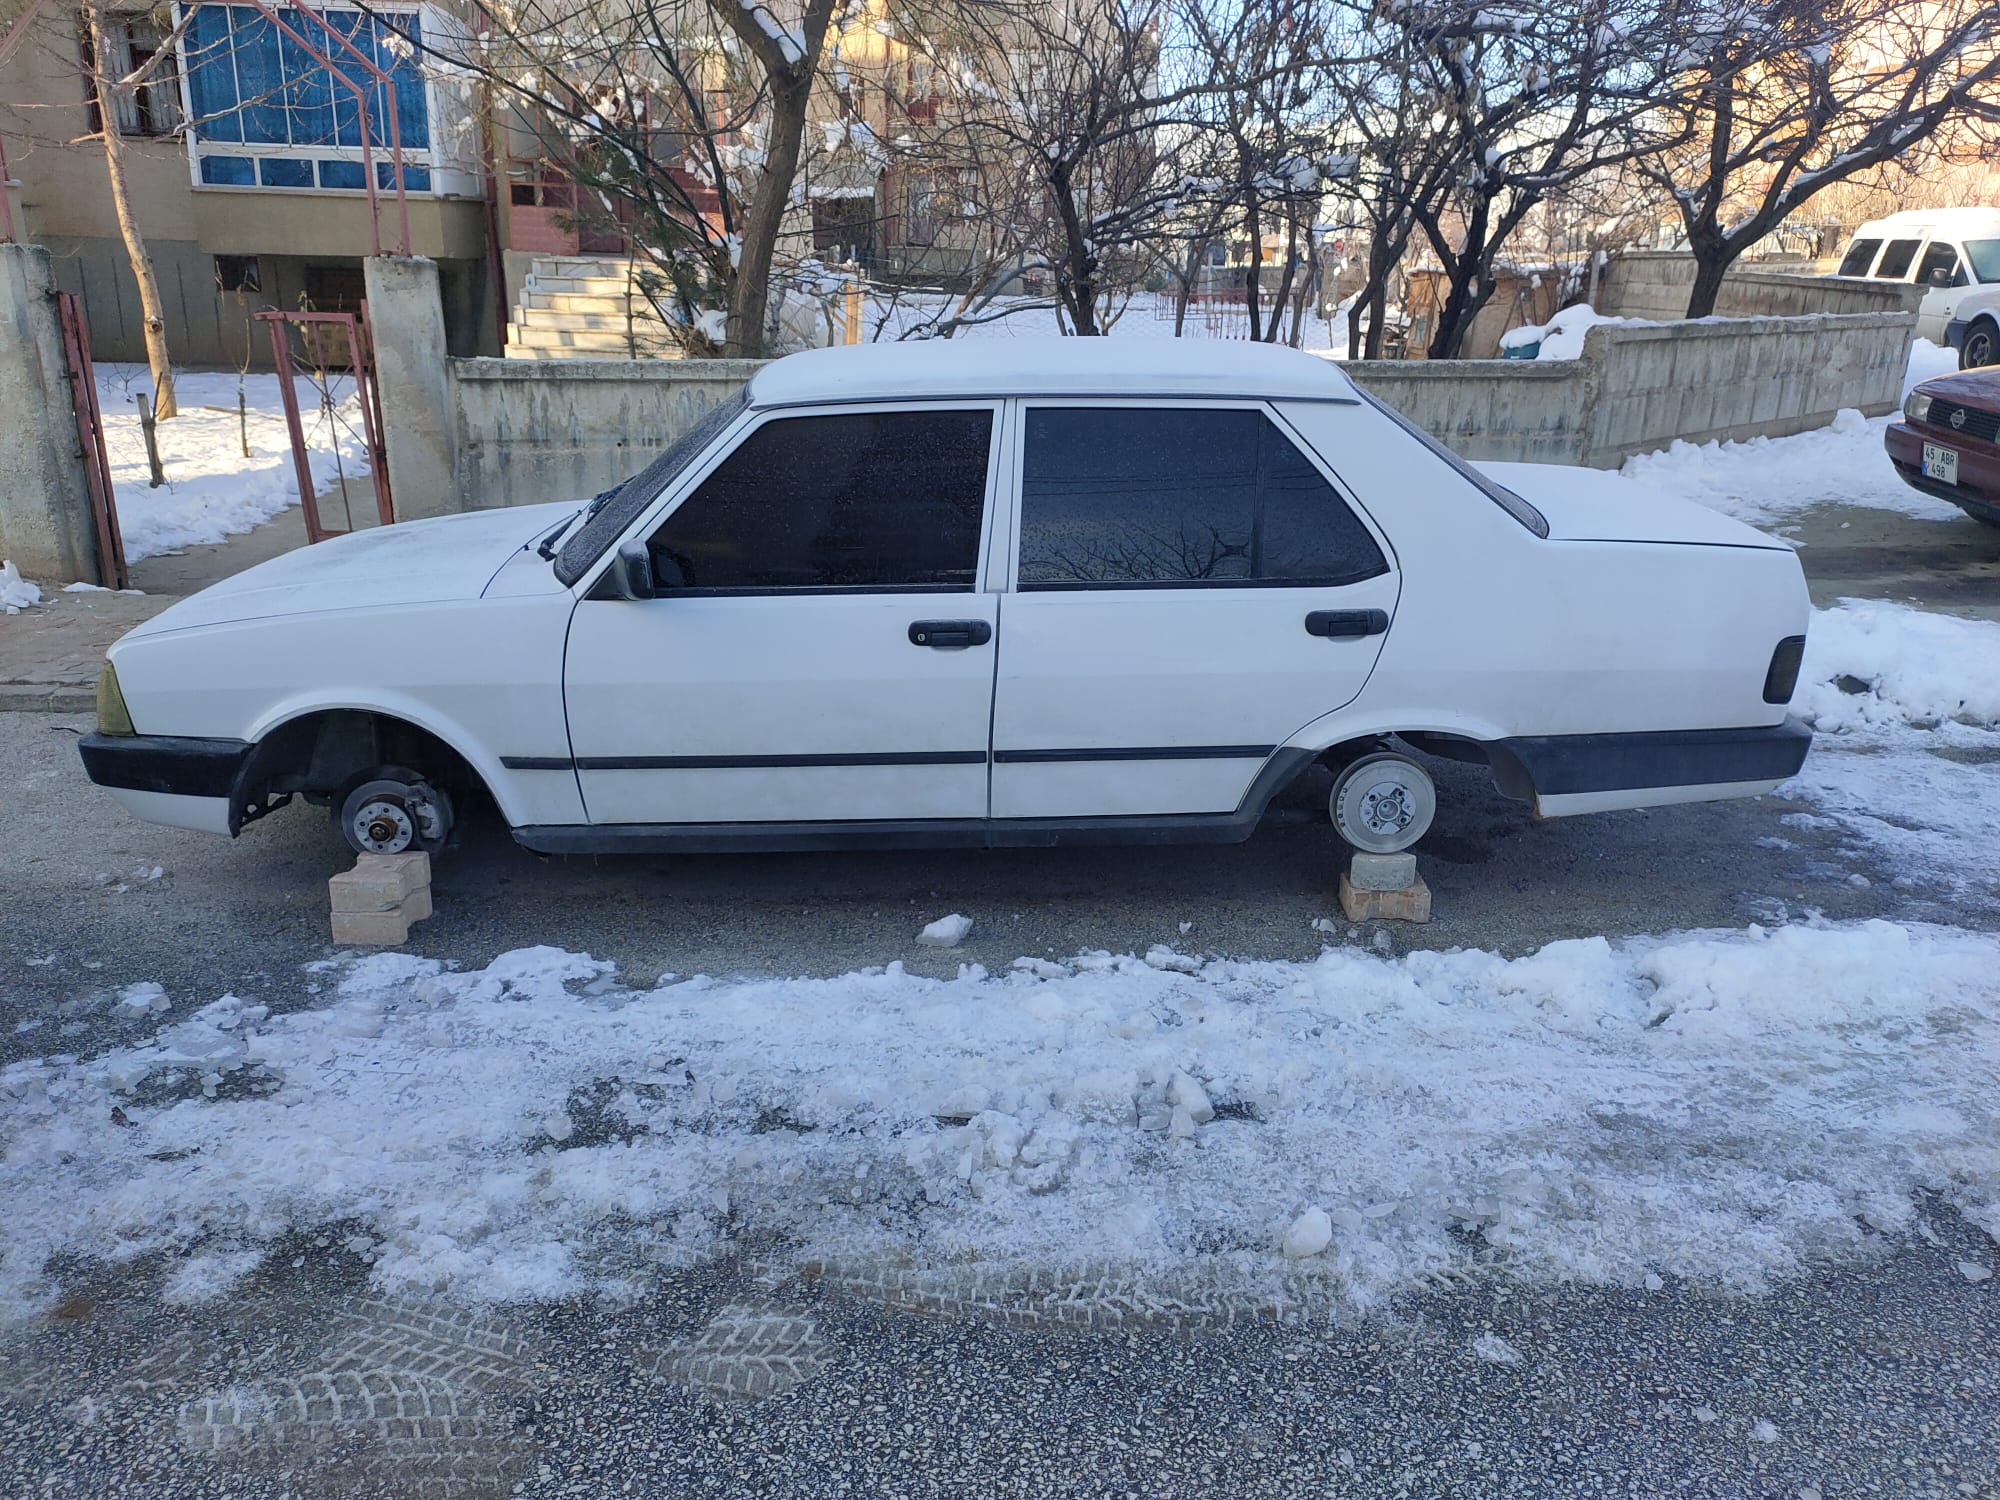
(1896,260)
(1860,256)
(858,501)
(1939,256)
(1133,497)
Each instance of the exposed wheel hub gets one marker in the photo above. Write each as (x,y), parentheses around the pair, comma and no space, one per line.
(384,827)
(1386,808)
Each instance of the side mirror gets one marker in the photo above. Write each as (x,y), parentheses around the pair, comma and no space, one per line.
(1940,277)
(631,575)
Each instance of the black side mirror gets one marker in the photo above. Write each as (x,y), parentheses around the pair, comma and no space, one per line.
(632,572)
(1940,277)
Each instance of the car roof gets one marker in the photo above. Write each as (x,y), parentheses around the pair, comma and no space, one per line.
(1959,221)
(1048,366)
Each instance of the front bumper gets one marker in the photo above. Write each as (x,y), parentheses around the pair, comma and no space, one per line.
(1977,492)
(175,765)
(1954,332)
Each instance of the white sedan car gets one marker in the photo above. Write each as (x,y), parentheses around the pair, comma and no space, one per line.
(1013,592)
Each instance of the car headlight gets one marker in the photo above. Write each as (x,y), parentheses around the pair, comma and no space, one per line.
(112,717)
(1916,407)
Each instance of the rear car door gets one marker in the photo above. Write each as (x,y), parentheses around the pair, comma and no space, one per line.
(1190,589)
(820,650)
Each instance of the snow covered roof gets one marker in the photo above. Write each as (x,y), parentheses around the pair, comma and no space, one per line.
(1048,366)
(1958,221)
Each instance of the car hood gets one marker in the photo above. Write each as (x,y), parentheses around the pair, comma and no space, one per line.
(1597,505)
(1979,388)
(412,562)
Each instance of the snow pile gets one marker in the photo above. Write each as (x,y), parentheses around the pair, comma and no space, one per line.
(212,490)
(1870,663)
(1768,479)
(1562,336)
(1717,1107)
(16,593)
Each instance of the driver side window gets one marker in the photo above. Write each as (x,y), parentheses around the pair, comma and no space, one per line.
(888,500)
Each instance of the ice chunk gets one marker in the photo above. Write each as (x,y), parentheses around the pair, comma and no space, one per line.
(1310,1233)
(946,932)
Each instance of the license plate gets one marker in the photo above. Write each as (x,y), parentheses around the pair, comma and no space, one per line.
(1940,464)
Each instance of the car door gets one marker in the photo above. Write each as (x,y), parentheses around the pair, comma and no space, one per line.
(1190,589)
(1935,311)
(819,649)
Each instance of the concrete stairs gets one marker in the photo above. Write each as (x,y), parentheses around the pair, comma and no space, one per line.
(585,307)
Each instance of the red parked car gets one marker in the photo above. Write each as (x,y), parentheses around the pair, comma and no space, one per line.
(1948,443)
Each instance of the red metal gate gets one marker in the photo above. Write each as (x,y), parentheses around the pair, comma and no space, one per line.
(90,439)
(324,349)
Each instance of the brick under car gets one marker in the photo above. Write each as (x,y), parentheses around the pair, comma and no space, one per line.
(1948,443)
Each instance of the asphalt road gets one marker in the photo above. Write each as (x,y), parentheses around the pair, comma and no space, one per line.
(1876,1378)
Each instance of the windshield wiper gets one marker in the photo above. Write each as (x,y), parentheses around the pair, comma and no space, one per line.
(547,549)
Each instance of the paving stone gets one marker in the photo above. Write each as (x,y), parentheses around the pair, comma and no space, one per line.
(1410,905)
(375,929)
(379,882)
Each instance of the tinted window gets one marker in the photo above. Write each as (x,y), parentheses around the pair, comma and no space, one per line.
(1134,497)
(1896,260)
(610,513)
(863,500)
(1860,256)
(1985,258)
(1940,257)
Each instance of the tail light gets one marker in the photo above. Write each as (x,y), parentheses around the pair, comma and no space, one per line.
(1783,677)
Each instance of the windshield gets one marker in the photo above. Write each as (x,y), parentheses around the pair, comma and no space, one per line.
(616,509)
(1983,257)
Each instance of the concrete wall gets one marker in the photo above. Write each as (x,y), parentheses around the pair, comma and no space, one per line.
(1655,284)
(529,430)
(1638,389)
(46,526)
(468,434)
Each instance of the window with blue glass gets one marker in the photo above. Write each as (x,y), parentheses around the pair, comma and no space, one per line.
(255,87)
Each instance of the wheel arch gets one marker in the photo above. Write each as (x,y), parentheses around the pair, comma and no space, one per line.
(323,744)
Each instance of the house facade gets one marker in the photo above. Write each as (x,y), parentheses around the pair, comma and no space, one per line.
(244,160)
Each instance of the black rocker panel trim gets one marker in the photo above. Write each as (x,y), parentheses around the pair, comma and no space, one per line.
(1136,752)
(1564,765)
(940,833)
(179,765)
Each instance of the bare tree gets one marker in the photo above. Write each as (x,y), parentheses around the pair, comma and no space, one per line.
(1779,101)
(115,85)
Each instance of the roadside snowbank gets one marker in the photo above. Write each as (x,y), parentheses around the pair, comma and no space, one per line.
(1870,663)
(1719,1106)
(212,490)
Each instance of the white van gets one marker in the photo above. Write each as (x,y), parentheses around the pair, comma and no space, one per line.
(1952,251)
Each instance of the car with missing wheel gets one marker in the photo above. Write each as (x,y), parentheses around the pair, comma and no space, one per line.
(1948,441)
(1007,593)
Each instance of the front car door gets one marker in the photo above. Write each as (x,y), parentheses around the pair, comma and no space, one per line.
(1191,589)
(1935,311)
(820,650)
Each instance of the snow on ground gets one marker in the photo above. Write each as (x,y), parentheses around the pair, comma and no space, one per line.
(212,490)
(1769,479)
(1869,663)
(1717,1106)
(1905,709)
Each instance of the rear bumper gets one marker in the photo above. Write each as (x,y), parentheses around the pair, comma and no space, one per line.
(1578,773)
(1978,489)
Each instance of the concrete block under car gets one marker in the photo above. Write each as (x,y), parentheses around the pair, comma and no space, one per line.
(375,902)
(380,882)
(1382,872)
(1411,904)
